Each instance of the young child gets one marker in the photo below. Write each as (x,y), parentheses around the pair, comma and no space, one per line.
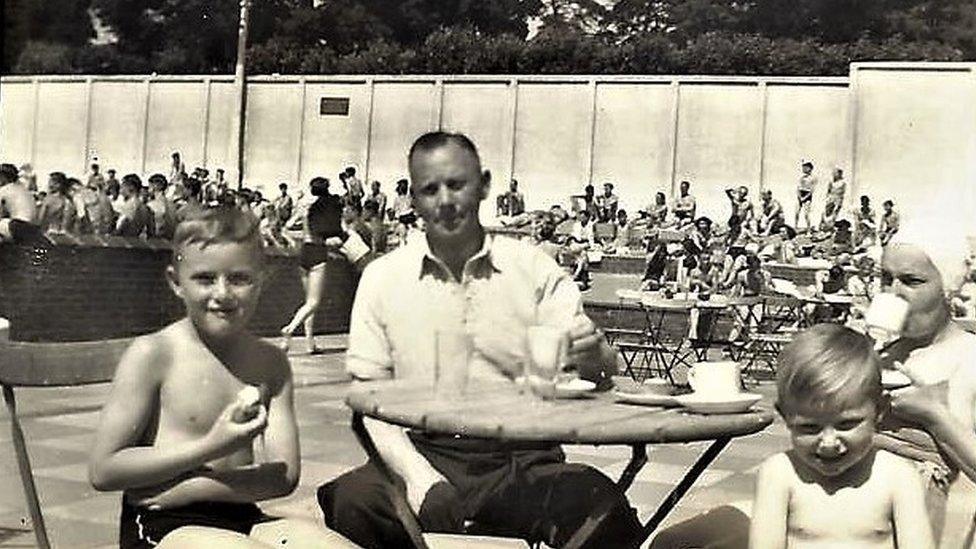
(833,488)
(191,456)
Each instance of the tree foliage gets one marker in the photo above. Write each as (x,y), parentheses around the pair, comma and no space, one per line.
(801,37)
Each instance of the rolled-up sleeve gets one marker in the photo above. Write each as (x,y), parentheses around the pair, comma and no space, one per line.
(369,355)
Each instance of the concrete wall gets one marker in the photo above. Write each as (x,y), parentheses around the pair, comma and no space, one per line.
(898,128)
(915,139)
(554,134)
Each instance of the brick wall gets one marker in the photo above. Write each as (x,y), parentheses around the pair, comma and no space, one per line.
(91,288)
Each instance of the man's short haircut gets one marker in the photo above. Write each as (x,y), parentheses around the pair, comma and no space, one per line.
(608,184)
(319,186)
(8,173)
(131,180)
(704,219)
(435,140)
(193,186)
(888,203)
(282,186)
(826,368)
(806,165)
(158,181)
(218,225)
(350,171)
(111,171)
(94,166)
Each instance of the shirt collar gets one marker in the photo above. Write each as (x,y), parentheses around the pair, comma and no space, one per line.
(481,265)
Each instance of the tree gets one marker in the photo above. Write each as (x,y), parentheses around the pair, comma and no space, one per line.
(50,22)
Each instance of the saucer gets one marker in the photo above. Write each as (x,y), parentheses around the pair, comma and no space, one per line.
(645,399)
(723,404)
(893,379)
(575,388)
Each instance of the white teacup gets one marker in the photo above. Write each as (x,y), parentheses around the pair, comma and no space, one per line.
(715,379)
(885,317)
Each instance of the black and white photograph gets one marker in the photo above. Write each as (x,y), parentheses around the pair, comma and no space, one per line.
(452,274)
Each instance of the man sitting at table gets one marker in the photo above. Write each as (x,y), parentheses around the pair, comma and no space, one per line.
(494,288)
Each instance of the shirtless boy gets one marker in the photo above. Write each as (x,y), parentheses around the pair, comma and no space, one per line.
(190,456)
(834,488)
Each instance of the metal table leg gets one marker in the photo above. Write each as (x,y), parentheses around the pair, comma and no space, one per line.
(669,503)
(26,473)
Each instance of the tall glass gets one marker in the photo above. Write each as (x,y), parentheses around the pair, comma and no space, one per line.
(451,368)
(548,350)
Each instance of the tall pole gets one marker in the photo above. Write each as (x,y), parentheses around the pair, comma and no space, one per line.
(236,155)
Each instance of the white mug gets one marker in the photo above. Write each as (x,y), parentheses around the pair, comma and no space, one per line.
(715,378)
(885,318)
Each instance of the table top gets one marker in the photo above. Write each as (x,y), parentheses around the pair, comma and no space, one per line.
(506,411)
(654,300)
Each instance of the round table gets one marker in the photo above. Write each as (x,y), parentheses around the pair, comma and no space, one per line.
(506,411)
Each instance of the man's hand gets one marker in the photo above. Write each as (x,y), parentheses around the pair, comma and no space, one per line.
(442,509)
(588,349)
(417,488)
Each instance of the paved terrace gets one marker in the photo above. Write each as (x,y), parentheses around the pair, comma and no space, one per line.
(60,423)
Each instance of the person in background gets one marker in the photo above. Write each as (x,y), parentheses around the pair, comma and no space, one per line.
(685,204)
(741,205)
(162,208)
(177,170)
(771,214)
(323,236)
(135,218)
(866,226)
(81,197)
(836,189)
(658,212)
(96,179)
(890,222)
(29,177)
(18,211)
(804,195)
(354,187)
(512,203)
(284,206)
(377,228)
(590,202)
(402,211)
(606,204)
(57,213)
(377,197)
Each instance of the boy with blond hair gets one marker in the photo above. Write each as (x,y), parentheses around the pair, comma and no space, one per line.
(186,434)
(834,488)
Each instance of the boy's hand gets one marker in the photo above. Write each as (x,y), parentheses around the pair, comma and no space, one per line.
(228,433)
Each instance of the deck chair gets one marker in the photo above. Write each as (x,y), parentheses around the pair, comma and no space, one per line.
(49,365)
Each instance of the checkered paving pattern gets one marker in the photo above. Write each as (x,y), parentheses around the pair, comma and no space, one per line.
(59,424)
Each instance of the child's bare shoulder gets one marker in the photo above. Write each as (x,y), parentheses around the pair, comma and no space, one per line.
(150,355)
(891,466)
(778,467)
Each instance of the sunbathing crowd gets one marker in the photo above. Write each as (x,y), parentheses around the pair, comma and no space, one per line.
(200,427)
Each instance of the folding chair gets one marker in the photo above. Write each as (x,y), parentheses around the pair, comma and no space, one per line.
(49,365)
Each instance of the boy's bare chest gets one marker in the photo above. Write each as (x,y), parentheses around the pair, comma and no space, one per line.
(195,393)
(862,514)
